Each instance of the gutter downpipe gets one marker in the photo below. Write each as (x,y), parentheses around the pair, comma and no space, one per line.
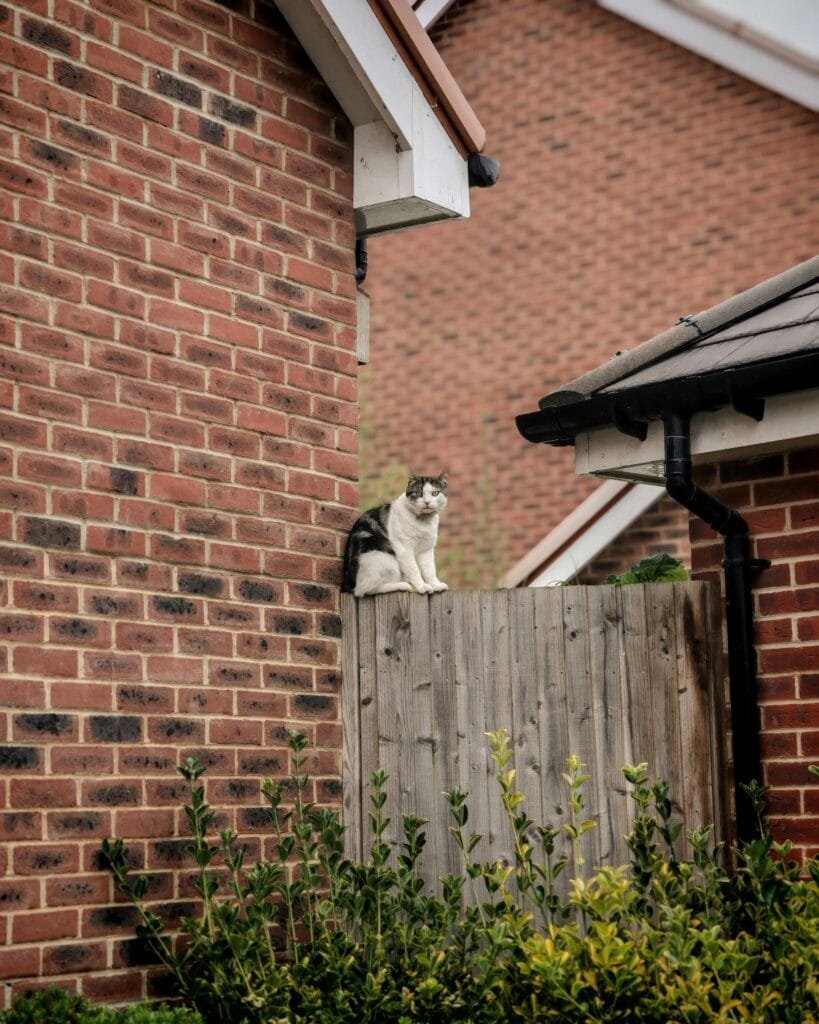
(737,565)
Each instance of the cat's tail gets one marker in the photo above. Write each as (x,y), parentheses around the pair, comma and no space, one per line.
(347,571)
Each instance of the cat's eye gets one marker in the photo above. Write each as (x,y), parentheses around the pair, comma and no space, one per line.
(435,494)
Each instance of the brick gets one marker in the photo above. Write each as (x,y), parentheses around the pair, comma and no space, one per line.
(74,958)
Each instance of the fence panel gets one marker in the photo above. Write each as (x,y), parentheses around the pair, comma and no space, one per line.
(616,675)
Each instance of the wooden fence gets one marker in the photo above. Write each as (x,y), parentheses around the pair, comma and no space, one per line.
(616,675)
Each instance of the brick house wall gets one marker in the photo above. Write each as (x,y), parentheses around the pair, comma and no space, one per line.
(779,497)
(639,183)
(178,436)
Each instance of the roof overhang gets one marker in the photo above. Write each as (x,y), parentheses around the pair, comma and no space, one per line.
(731,42)
(413,130)
(613,414)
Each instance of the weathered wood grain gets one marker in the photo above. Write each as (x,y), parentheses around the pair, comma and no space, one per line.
(615,675)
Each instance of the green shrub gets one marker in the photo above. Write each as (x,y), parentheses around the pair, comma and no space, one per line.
(314,937)
(660,568)
(56,1006)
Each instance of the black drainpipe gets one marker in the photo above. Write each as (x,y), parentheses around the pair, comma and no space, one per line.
(360,260)
(739,615)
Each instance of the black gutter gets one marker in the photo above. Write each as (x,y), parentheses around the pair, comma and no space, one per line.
(563,416)
(739,616)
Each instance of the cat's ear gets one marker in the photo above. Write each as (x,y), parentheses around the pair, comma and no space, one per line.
(443,477)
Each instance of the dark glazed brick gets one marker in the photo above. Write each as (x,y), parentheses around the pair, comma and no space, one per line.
(135,953)
(51,533)
(115,728)
(86,568)
(293,678)
(196,583)
(114,796)
(114,917)
(46,35)
(308,323)
(19,758)
(45,724)
(124,481)
(236,113)
(313,703)
(77,629)
(174,727)
(313,592)
(254,590)
(330,625)
(87,822)
(171,851)
(254,817)
(174,606)
(52,155)
(260,764)
(176,89)
(72,77)
(104,605)
(14,558)
(211,131)
(296,625)
(84,136)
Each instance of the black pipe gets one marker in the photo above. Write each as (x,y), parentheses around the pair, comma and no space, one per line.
(737,564)
(360,260)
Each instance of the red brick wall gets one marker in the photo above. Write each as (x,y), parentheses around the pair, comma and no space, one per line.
(639,183)
(177,442)
(779,497)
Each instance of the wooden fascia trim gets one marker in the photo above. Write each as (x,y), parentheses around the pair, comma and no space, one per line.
(432,74)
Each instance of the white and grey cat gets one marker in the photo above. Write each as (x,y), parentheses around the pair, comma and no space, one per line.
(392,547)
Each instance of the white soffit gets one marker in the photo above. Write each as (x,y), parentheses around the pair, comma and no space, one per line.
(790,421)
(406,168)
(583,534)
(742,43)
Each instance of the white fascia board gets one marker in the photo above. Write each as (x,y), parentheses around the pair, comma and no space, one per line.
(598,536)
(406,168)
(711,40)
(790,421)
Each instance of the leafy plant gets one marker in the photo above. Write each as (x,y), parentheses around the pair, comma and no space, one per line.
(316,937)
(56,1006)
(661,568)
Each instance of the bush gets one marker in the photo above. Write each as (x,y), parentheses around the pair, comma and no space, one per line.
(660,568)
(56,1006)
(315,937)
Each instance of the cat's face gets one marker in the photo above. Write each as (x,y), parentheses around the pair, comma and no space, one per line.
(427,494)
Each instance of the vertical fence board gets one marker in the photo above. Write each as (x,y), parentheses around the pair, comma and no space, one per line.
(614,675)
(443,676)
(351,771)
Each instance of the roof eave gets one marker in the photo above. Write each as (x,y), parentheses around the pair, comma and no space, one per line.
(630,409)
(410,146)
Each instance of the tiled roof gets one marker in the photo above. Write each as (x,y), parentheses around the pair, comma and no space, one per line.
(786,328)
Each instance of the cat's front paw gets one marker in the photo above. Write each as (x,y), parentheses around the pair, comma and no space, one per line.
(438,586)
(425,588)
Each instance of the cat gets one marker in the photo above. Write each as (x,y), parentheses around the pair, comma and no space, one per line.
(392,547)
